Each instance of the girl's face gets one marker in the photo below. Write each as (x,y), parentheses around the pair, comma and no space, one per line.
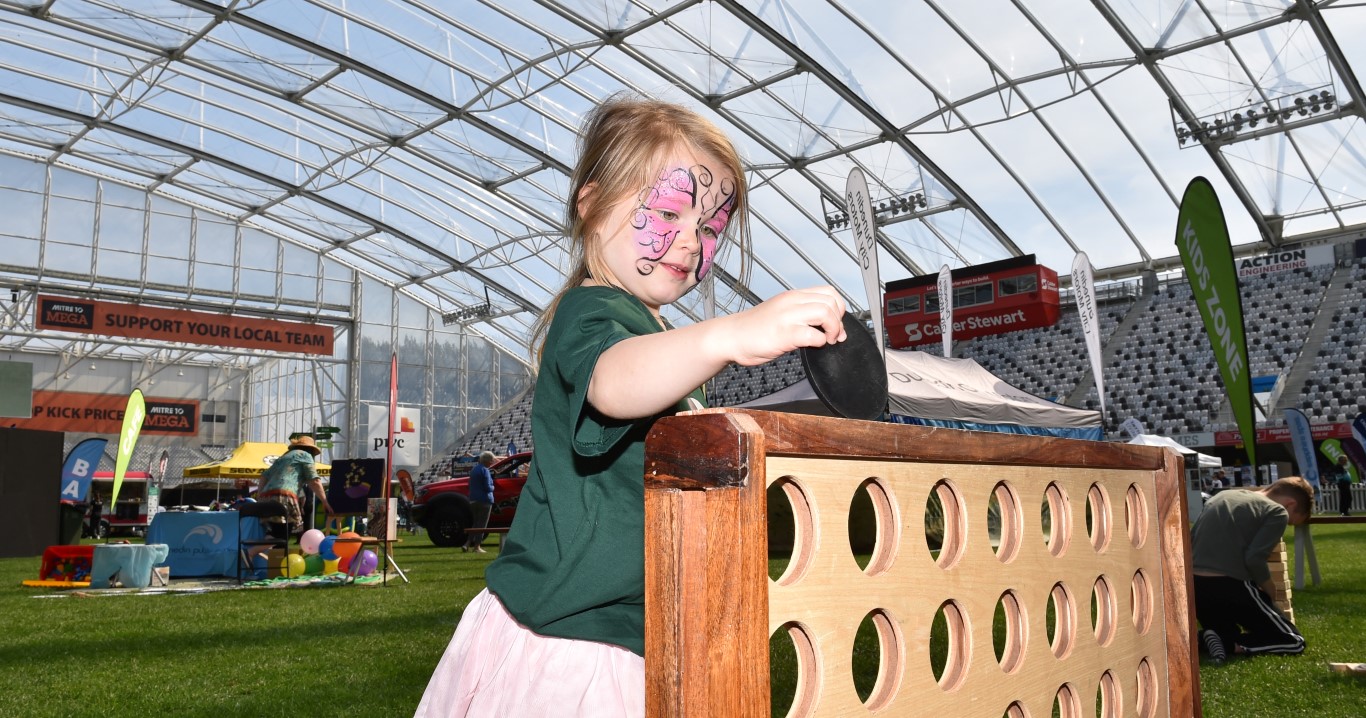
(660,242)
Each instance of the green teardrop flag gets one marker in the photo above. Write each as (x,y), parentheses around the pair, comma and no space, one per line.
(1202,239)
(128,438)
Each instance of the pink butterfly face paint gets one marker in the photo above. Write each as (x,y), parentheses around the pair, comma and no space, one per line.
(684,202)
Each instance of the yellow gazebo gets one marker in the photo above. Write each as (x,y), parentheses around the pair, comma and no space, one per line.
(248,461)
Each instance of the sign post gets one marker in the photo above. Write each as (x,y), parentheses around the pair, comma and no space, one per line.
(324,435)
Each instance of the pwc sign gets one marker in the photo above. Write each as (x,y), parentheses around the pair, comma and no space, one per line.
(407,434)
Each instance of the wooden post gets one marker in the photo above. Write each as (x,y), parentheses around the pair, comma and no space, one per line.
(706,549)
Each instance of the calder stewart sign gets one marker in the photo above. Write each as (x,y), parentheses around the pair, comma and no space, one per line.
(180,325)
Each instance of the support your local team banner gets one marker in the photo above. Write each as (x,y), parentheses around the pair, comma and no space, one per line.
(1202,240)
(89,316)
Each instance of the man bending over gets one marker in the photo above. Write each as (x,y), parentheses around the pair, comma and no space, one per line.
(1231,540)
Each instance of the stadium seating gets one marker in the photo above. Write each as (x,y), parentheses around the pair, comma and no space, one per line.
(1160,370)
(1337,383)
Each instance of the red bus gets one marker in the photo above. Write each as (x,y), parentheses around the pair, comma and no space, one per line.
(992,298)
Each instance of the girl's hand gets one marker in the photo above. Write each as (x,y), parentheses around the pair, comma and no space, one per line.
(811,317)
(645,375)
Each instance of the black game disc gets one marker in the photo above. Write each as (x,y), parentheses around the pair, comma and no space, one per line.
(850,377)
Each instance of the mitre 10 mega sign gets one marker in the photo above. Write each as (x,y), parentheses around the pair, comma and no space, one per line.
(76,411)
(89,316)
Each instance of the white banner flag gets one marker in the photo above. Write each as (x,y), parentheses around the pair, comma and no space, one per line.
(945,287)
(406,432)
(1084,291)
(860,208)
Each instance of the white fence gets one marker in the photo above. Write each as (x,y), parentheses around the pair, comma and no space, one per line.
(1328,499)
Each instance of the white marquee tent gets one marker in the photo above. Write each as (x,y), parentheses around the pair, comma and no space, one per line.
(950,392)
(1205,461)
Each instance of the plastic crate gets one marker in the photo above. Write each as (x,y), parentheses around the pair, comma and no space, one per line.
(67,563)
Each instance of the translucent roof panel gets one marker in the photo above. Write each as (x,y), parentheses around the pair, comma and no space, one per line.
(429,145)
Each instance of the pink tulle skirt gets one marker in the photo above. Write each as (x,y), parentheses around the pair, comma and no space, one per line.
(496,667)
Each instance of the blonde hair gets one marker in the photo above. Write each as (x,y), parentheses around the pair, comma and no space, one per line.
(620,151)
(1294,487)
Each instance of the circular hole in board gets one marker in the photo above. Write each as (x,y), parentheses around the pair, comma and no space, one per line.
(791,531)
(950,627)
(945,524)
(1057,519)
(877,672)
(793,671)
(874,527)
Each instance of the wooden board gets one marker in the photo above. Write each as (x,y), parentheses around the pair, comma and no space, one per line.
(827,595)
(711,606)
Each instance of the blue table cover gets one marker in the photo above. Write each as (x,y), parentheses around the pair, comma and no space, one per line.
(202,543)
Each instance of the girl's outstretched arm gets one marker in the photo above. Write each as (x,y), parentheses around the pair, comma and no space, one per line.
(645,375)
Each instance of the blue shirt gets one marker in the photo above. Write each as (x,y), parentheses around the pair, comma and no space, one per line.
(481,484)
(289,472)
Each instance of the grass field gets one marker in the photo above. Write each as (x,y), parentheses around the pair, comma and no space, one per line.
(369,651)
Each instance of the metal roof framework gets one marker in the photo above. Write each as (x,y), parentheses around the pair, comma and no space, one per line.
(428,145)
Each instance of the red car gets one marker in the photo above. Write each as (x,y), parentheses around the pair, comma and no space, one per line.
(443,507)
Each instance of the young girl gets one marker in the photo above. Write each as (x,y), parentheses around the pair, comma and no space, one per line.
(560,628)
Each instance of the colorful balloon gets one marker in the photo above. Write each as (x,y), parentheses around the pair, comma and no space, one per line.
(310,540)
(367,561)
(344,564)
(295,566)
(313,564)
(347,548)
(330,565)
(325,549)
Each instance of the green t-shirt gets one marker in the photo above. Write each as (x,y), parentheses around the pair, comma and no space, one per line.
(573,564)
(1235,532)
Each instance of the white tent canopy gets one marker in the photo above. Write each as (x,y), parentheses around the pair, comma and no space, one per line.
(1205,461)
(925,386)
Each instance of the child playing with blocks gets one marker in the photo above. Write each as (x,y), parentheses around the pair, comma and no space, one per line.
(1230,542)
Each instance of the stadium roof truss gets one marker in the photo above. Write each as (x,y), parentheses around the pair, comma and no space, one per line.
(428,144)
